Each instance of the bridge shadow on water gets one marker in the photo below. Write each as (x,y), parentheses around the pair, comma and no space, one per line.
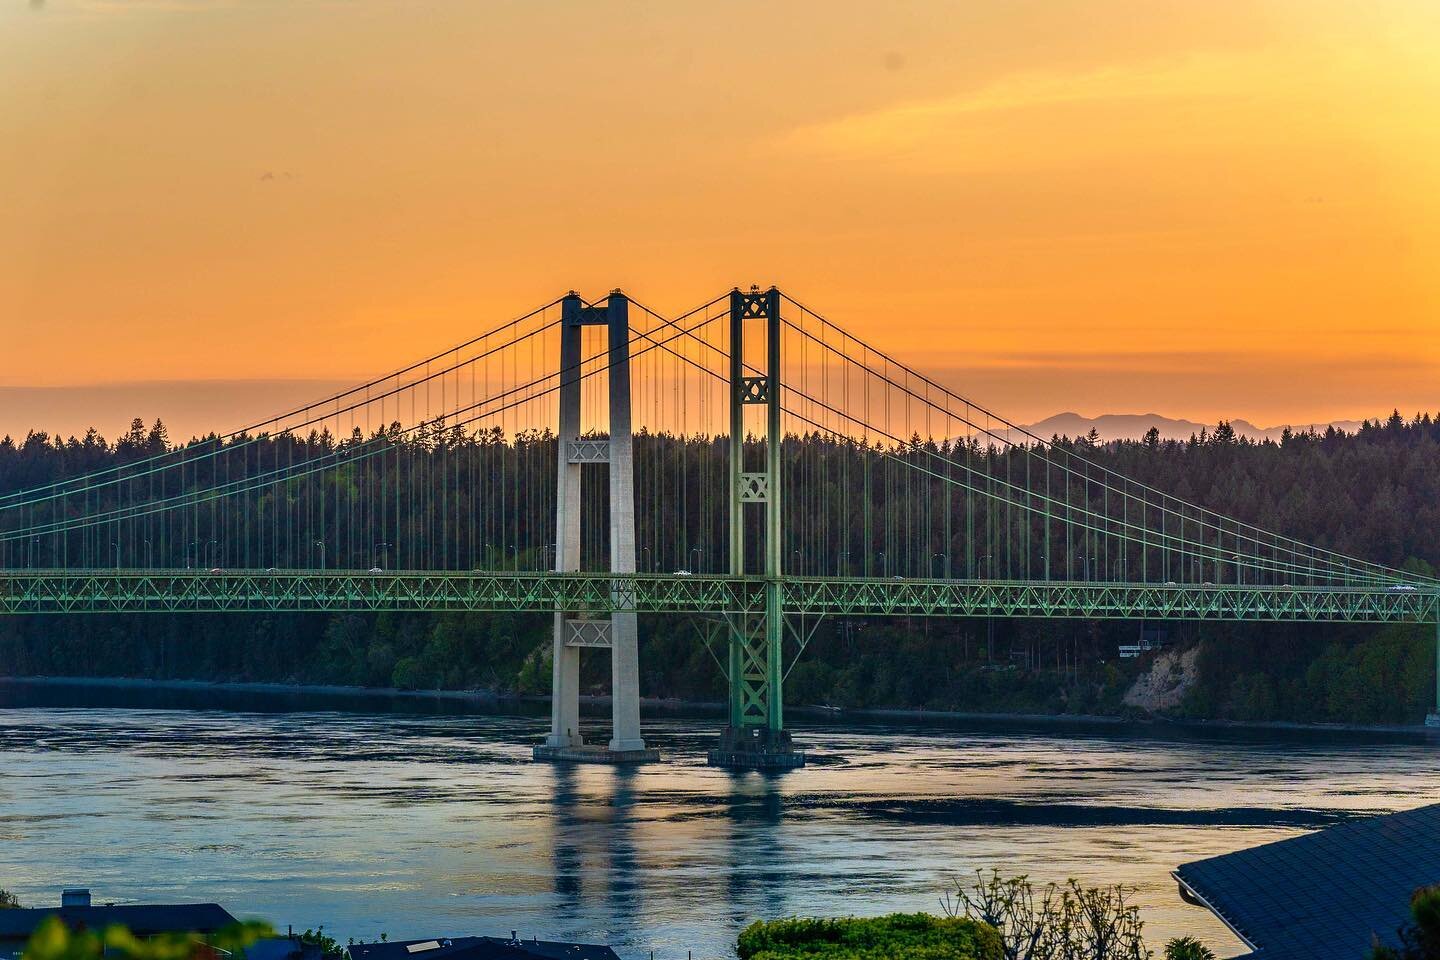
(755,812)
(595,845)
(603,852)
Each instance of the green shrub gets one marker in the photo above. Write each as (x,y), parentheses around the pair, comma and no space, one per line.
(913,936)
(52,940)
(1419,939)
(330,948)
(1054,922)
(1188,948)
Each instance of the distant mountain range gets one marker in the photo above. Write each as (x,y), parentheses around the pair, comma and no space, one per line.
(1133,426)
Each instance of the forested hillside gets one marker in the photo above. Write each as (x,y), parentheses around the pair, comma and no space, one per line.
(1373,494)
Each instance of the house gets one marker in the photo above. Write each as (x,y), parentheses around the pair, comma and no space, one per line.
(1152,637)
(78,913)
(1324,895)
(479,948)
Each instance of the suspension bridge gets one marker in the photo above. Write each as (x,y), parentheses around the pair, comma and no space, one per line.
(747,464)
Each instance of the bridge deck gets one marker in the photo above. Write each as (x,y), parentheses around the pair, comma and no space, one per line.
(174,591)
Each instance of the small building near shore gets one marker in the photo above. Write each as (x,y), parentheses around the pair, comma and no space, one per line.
(479,948)
(78,913)
(1325,895)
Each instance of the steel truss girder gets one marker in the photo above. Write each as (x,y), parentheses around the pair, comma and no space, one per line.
(177,591)
(1101,601)
(103,591)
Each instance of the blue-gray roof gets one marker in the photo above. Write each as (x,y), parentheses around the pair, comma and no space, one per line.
(139,918)
(479,948)
(1323,895)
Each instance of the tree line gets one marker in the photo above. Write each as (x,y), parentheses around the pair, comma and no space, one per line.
(1374,493)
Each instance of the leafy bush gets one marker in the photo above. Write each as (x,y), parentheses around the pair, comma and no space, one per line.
(329,947)
(1419,939)
(914,936)
(1061,923)
(8,900)
(1188,948)
(53,940)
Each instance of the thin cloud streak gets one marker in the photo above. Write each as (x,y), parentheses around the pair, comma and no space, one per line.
(188,407)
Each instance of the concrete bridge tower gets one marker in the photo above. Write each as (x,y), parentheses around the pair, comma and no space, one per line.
(617,631)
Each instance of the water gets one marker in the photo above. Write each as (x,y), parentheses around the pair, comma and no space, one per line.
(424,818)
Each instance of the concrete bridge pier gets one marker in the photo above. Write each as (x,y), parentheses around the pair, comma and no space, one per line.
(576,632)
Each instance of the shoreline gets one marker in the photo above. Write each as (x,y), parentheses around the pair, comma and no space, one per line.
(329,690)
(902,714)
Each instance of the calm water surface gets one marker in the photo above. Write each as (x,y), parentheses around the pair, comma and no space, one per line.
(421,818)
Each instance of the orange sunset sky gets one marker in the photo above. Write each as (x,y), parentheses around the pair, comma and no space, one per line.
(1205,209)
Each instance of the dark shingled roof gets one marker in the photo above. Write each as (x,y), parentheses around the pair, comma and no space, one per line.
(1323,895)
(479,948)
(140,918)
